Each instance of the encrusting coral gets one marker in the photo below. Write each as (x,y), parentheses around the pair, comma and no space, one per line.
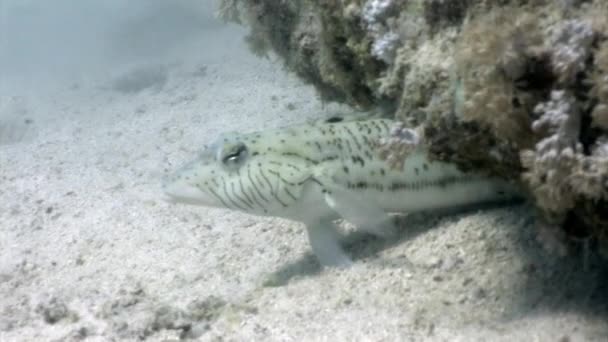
(600,87)
(399,145)
(516,89)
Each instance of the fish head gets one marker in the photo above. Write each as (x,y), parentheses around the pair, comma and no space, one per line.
(250,173)
(204,180)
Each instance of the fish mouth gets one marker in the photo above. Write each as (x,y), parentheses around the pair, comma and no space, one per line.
(179,191)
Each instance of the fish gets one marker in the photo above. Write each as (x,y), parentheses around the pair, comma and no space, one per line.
(317,173)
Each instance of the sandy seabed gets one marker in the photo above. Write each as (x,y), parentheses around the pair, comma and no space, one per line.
(89,251)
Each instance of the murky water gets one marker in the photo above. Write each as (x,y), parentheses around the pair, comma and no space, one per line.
(99,100)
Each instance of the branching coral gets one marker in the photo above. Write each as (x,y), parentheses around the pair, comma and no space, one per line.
(375,15)
(570,47)
(529,83)
(555,157)
(563,177)
(567,170)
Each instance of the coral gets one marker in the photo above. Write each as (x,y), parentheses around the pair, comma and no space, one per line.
(422,81)
(514,88)
(600,87)
(501,70)
(384,47)
(527,82)
(600,115)
(400,144)
(565,179)
(375,15)
(376,11)
(556,156)
(472,146)
(325,44)
(439,13)
(229,10)
(570,48)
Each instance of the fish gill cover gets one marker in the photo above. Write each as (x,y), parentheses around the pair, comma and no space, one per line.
(516,89)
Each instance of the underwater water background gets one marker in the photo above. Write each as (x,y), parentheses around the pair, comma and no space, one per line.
(100,99)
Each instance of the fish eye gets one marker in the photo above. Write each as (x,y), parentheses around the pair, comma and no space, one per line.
(234,155)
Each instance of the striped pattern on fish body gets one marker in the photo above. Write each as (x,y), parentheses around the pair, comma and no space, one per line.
(316,173)
(269,170)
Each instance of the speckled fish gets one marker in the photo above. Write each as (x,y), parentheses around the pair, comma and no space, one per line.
(317,173)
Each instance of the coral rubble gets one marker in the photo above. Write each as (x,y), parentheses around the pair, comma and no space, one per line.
(514,88)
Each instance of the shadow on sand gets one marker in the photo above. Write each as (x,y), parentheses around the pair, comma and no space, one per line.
(361,245)
(576,283)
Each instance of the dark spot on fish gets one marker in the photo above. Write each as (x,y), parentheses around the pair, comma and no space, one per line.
(345,169)
(358,159)
(334,119)
(255,153)
(416,170)
(425,167)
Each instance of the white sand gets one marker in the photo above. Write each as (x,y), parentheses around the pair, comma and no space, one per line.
(88,249)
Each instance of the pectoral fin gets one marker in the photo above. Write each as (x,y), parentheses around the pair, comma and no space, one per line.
(363,214)
(325,242)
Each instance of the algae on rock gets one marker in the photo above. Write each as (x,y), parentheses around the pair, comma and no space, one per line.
(513,88)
